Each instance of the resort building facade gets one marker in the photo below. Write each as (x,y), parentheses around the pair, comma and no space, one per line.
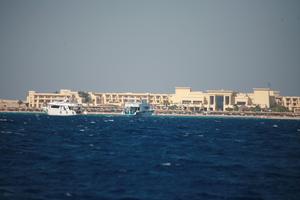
(223,100)
(206,101)
(183,98)
(10,105)
(119,99)
(292,103)
(38,100)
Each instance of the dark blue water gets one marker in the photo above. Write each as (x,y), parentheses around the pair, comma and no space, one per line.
(103,157)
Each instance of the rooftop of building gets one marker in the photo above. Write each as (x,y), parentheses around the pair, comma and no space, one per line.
(219,91)
(261,89)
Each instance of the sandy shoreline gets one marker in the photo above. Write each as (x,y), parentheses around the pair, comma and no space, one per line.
(234,116)
(182,115)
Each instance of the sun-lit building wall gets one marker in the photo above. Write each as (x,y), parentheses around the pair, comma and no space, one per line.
(11,104)
(210,100)
(183,97)
(242,99)
(292,103)
(261,97)
(120,99)
(222,100)
(38,100)
(186,97)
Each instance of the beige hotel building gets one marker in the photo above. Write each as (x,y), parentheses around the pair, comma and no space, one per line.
(221,100)
(38,100)
(119,99)
(184,97)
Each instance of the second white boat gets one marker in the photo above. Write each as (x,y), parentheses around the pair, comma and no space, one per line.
(138,109)
(62,108)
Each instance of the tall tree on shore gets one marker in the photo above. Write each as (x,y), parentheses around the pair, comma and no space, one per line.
(86,98)
(20,102)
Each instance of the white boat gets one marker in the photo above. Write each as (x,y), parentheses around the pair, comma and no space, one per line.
(62,108)
(138,109)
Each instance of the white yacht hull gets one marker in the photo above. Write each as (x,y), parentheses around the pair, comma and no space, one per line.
(144,114)
(61,113)
(142,109)
(140,113)
(60,109)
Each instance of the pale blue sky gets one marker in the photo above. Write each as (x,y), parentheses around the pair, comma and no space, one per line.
(148,46)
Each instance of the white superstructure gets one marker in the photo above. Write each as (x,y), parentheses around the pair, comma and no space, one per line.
(61,108)
(138,109)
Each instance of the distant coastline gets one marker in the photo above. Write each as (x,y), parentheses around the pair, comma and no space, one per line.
(282,116)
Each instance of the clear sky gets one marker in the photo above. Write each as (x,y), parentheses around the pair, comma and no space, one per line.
(148,46)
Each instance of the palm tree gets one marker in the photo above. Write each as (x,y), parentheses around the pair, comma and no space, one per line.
(86,97)
(20,102)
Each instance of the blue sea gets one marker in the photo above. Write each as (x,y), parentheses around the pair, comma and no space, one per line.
(155,158)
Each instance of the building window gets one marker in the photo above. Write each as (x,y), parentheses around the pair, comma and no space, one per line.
(241,103)
(227,100)
(197,102)
(55,106)
(186,102)
(212,99)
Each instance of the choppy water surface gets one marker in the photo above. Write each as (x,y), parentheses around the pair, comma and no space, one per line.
(116,157)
